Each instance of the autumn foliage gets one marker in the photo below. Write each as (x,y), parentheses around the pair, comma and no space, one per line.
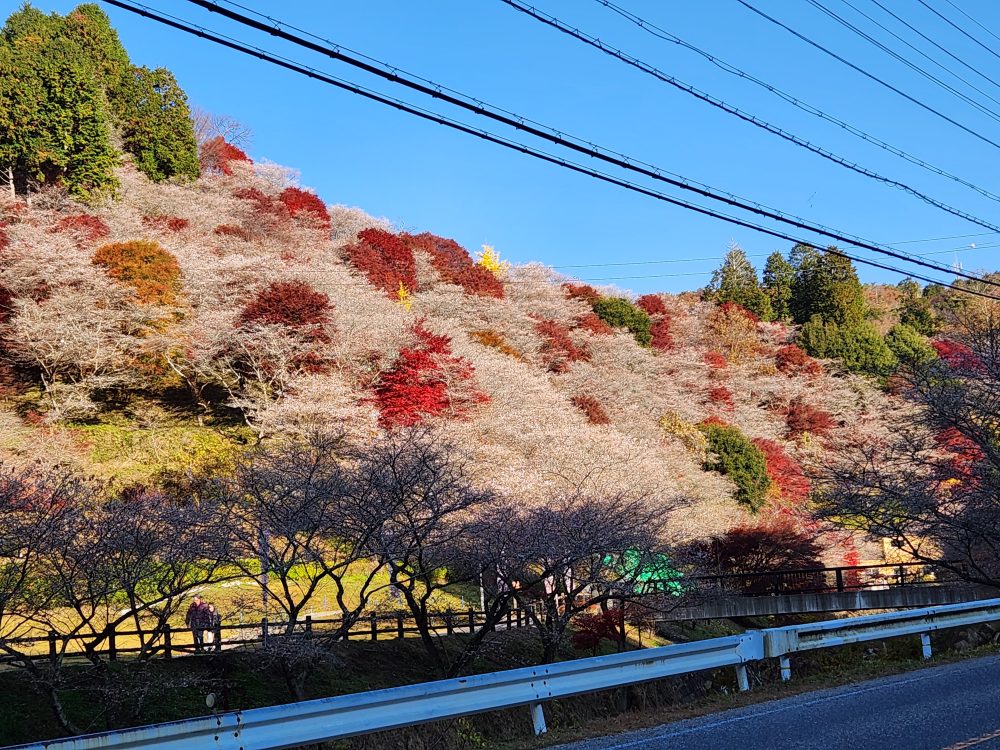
(957,356)
(494,340)
(84,227)
(426,380)
(231,230)
(294,305)
(305,205)
(455,265)
(962,454)
(785,472)
(652,304)
(792,361)
(218,156)
(148,268)
(721,397)
(592,324)
(385,259)
(663,339)
(714,360)
(165,223)
(591,408)
(584,292)
(804,418)
(771,545)
(590,629)
(558,350)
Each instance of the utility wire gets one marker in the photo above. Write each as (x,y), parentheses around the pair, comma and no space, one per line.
(624,57)
(477,106)
(923,36)
(959,28)
(912,66)
(973,20)
(868,75)
(661,33)
(315,74)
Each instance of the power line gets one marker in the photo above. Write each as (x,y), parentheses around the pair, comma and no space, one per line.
(315,74)
(959,28)
(661,33)
(479,107)
(624,57)
(912,66)
(973,20)
(919,33)
(866,74)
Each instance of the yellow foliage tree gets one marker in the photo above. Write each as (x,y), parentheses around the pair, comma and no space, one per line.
(404,297)
(490,259)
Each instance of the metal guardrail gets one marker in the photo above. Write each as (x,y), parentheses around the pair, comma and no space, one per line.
(295,724)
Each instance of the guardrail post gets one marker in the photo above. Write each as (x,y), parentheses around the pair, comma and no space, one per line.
(925,645)
(538,718)
(399,626)
(742,680)
(786,667)
(374,622)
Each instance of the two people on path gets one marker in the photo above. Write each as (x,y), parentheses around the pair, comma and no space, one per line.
(200,617)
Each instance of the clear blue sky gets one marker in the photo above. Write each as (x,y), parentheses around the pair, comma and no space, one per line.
(425,177)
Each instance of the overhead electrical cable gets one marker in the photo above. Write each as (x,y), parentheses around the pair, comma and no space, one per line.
(923,36)
(959,29)
(661,33)
(624,57)
(984,28)
(513,145)
(868,75)
(911,65)
(395,74)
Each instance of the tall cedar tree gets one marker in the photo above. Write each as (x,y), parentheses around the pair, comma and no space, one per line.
(736,281)
(779,278)
(826,285)
(54,126)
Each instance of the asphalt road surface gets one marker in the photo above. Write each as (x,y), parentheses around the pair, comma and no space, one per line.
(951,707)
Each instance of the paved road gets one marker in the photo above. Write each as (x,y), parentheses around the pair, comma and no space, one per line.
(952,707)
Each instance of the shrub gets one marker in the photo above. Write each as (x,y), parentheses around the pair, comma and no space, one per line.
(454,264)
(590,630)
(733,308)
(688,433)
(791,360)
(661,337)
(652,304)
(620,313)
(218,156)
(910,346)
(558,350)
(784,471)
(775,545)
(715,360)
(858,346)
(584,292)
(803,418)
(145,266)
(294,305)
(385,259)
(591,323)
(306,205)
(230,230)
(735,331)
(494,340)
(165,223)
(591,408)
(84,226)
(722,397)
(417,385)
(739,459)
(957,356)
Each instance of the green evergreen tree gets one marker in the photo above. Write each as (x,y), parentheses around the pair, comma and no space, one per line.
(620,313)
(909,346)
(156,125)
(53,116)
(826,285)
(779,278)
(736,281)
(858,346)
(733,454)
(915,308)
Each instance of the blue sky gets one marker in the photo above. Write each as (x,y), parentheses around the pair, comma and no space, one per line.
(425,177)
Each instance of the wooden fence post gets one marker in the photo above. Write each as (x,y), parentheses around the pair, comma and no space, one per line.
(53,654)
(399,626)
(166,641)
(449,625)
(374,622)
(472,620)
(112,646)
(309,626)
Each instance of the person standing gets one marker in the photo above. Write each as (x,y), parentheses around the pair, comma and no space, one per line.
(197,614)
(214,625)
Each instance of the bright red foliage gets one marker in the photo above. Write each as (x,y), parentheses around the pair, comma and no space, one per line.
(85,227)
(784,471)
(730,308)
(652,304)
(964,454)
(293,304)
(385,259)
(455,265)
(957,356)
(305,205)
(229,230)
(591,408)
(218,156)
(663,340)
(590,322)
(802,417)
(558,349)
(6,304)
(165,223)
(715,360)
(722,397)
(584,292)
(417,386)
(791,360)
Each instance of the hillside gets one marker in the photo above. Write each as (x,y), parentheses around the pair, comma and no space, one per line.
(242,309)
